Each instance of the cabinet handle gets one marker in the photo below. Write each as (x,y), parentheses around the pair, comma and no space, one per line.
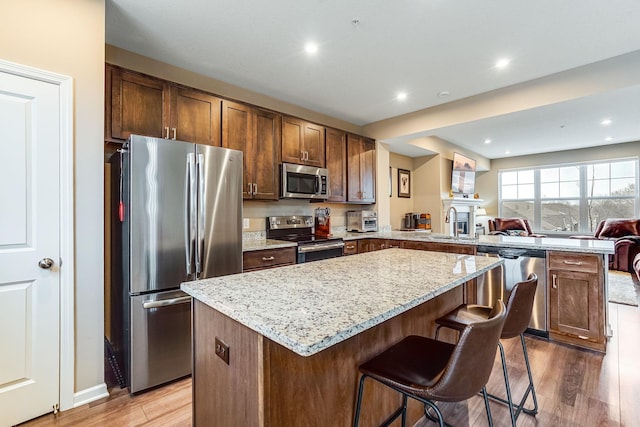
(582,337)
(166,132)
(572,262)
(270,258)
(255,188)
(351,247)
(250,187)
(174,133)
(554,281)
(302,155)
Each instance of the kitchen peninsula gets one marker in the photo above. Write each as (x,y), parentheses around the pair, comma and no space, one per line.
(282,347)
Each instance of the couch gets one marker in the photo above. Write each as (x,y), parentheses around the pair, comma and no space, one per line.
(625,232)
(511,227)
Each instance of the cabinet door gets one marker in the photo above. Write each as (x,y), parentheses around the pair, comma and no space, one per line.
(136,105)
(237,135)
(313,145)
(368,171)
(292,137)
(350,247)
(574,303)
(194,116)
(361,169)
(302,142)
(336,156)
(266,147)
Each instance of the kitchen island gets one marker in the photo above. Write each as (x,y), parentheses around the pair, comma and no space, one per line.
(293,337)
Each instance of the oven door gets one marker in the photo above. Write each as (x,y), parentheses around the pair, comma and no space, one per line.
(304,182)
(318,251)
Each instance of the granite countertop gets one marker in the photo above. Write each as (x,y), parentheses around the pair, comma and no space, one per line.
(256,245)
(543,243)
(309,307)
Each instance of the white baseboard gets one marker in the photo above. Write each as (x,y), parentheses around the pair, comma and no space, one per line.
(90,394)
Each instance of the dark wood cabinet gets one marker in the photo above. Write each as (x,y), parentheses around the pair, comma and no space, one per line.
(361,167)
(134,104)
(302,142)
(439,247)
(194,116)
(268,258)
(576,300)
(370,245)
(350,247)
(145,105)
(256,133)
(336,164)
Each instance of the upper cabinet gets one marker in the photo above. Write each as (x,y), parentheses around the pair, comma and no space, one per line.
(194,116)
(302,142)
(361,166)
(134,104)
(256,133)
(145,105)
(336,163)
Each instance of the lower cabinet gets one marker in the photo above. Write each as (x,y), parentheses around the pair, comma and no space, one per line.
(350,247)
(268,258)
(576,299)
(439,247)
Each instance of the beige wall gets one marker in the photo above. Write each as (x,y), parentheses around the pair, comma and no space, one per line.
(67,37)
(487,182)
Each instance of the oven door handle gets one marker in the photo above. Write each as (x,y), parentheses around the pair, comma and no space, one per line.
(320,247)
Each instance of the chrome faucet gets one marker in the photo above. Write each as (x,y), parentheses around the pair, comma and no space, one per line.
(455,220)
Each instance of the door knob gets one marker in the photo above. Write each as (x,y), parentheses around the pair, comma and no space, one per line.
(45,263)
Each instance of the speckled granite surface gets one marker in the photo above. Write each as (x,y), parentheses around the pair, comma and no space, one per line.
(309,307)
(544,243)
(255,245)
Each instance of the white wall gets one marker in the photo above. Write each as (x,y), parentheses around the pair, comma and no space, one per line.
(67,37)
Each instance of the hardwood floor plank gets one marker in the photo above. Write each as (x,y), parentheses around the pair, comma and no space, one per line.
(576,388)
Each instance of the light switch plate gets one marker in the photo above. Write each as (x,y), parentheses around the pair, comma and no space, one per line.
(245,223)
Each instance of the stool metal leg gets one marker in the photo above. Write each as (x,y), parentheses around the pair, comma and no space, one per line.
(356,418)
(519,407)
(486,406)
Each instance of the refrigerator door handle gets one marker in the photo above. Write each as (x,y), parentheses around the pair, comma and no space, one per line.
(189,213)
(166,302)
(200,214)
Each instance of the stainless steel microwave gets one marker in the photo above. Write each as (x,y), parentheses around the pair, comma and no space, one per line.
(303,182)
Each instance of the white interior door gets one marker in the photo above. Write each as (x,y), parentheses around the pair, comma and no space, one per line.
(29,247)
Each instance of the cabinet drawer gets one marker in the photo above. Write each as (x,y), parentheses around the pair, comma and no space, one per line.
(574,262)
(267,258)
(350,247)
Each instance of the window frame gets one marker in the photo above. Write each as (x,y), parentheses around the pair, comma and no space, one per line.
(583,198)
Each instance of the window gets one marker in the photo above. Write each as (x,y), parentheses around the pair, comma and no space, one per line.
(570,198)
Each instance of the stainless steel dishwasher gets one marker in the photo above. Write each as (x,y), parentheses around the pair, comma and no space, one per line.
(518,264)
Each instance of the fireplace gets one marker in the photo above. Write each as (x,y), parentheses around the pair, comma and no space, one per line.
(466,209)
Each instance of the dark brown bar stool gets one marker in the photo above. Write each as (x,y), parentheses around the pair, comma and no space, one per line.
(519,308)
(429,370)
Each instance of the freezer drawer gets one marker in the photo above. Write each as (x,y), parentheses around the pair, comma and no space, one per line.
(160,338)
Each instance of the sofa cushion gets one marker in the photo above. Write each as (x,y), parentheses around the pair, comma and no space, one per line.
(504,224)
(620,227)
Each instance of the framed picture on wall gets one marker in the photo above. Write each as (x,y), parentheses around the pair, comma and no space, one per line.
(404,183)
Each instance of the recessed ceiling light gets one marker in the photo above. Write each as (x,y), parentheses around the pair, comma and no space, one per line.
(311,47)
(502,63)
(443,94)
(401,96)
(507,152)
(487,141)
(609,138)
(605,122)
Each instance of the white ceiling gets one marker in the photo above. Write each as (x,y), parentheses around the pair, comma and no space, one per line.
(421,47)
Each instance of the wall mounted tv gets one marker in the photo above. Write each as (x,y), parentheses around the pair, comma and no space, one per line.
(463,175)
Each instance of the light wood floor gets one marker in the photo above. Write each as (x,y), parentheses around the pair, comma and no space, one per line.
(575,388)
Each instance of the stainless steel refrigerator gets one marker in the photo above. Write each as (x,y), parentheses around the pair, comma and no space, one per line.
(177,212)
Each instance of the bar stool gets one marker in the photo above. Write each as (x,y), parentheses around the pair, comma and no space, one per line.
(519,307)
(427,370)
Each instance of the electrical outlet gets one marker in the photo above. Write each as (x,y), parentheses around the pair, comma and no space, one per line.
(222,350)
(245,223)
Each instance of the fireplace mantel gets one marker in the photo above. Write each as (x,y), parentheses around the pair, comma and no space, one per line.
(465,206)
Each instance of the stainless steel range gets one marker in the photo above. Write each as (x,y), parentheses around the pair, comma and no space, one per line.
(299,229)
